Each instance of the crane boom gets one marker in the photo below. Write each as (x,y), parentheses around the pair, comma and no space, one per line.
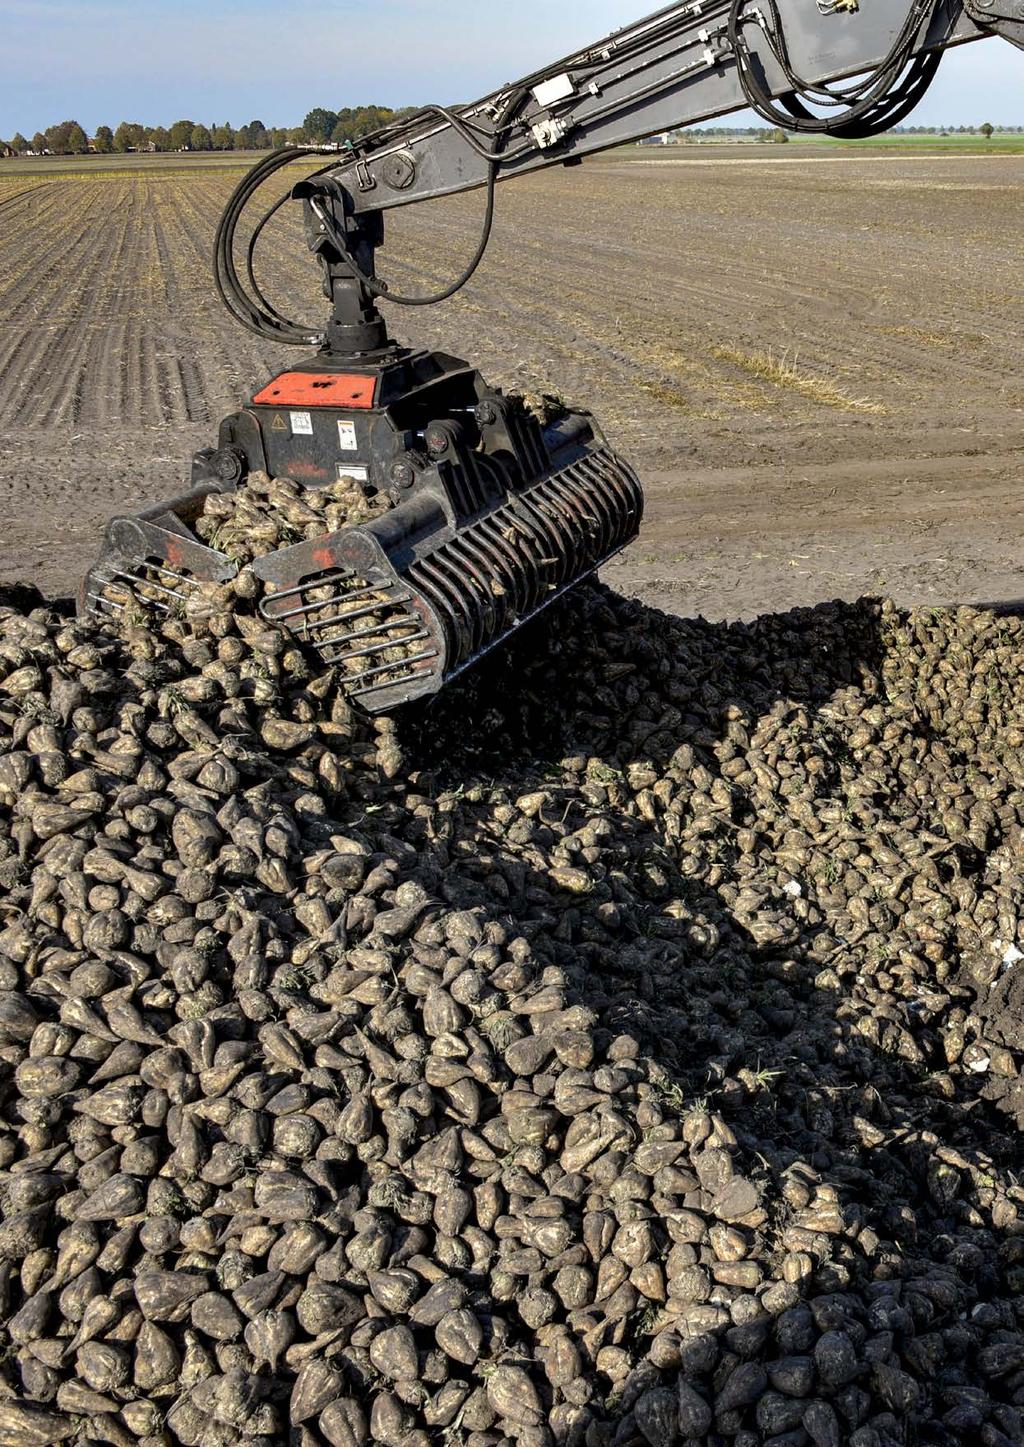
(848,68)
(675,68)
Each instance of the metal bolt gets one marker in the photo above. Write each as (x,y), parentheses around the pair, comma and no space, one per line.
(402,474)
(227,465)
(486,413)
(437,444)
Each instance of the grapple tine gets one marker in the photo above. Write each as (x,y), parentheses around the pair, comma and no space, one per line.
(445,594)
(153,559)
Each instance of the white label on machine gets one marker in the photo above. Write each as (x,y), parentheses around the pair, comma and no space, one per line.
(302,424)
(347,437)
(353,470)
(560,87)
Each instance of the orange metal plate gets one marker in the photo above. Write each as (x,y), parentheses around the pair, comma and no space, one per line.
(318,389)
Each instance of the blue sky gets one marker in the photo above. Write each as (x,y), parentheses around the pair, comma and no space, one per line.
(103,61)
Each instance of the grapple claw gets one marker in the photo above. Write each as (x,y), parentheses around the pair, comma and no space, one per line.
(493,516)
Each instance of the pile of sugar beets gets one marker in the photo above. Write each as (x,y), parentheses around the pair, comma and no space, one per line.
(626,1050)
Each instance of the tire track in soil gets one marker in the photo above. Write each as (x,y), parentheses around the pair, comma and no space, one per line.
(38,252)
(109,317)
(35,249)
(8,201)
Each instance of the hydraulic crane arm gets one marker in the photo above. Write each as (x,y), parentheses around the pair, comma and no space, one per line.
(848,68)
(674,68)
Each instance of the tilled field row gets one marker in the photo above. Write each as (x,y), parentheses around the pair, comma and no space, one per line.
(621,280)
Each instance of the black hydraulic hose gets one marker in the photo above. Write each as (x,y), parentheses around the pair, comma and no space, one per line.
(259,319)
(252,308)
(250,256)
(380,288)
(890,113)
(466,131)
(876,84)
(867,102)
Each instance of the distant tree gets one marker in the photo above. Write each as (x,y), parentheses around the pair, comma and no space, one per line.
(278,137)
(201,139)
(19,143)
(353,124)
(159,137)
(66,139)
(104,140)
(223,137)
(296,135)
(39,143)
(780,137)
(129,136)
(253,137)
(181,135)
(319,125)
(987,129)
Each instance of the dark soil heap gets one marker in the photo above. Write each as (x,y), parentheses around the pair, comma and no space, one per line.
(626,1051)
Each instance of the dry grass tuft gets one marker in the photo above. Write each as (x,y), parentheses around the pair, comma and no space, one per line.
(779,371)
(918,334)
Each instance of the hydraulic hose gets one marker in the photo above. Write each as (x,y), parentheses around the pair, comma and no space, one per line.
(250,307)
(867,106)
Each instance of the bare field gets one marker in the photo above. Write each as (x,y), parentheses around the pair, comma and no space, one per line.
(813,357)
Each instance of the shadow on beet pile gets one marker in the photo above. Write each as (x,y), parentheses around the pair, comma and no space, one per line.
(781,861)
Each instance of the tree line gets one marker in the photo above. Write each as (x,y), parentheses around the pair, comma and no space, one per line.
(321,127)
(68,138)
